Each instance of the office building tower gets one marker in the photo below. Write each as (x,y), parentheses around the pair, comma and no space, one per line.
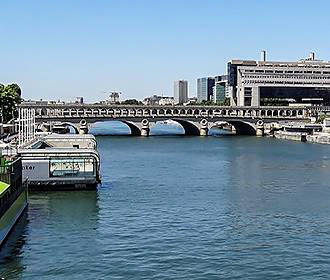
(205,89)
(180,92)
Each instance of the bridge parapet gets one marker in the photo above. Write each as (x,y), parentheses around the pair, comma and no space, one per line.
(120,111)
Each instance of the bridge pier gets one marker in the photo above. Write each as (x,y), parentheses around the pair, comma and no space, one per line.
(45,127)
(83,127)
(204,128)
(260,128)
(145,132)
(145,129)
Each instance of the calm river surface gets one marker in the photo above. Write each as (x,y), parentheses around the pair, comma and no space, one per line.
(172,207)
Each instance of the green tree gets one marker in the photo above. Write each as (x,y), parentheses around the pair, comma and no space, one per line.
(131,102)
(10,96)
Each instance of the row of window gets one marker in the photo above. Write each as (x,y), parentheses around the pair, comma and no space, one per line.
(284,82)
(287,77)
(287,71)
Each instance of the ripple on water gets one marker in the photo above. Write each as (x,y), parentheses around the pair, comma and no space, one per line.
(184,208)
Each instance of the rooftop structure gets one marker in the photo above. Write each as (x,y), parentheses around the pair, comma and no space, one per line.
(114,97)
(254,83)
(158,100)
(79,100)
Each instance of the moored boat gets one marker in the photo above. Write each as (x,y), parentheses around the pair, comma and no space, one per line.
(13,196)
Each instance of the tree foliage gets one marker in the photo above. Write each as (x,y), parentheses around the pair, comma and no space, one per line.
(131,102)
(10,96)
(225,102)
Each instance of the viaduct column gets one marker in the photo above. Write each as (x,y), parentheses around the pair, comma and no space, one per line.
(145,129)
(45,127)
(83,127)
(204,130)
(255,96)
(260,128)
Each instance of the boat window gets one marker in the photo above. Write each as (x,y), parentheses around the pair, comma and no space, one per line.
(72,167)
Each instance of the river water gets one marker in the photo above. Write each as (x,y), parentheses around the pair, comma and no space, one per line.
(172,207)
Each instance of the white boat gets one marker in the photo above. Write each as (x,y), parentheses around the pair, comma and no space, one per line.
(61,162)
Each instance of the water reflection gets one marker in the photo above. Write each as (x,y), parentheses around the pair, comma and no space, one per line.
(11,266)
(63,223)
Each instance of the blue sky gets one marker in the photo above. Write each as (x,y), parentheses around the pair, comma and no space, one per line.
(62,49)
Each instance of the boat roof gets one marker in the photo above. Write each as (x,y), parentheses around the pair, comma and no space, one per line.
(3,188)
(69,136)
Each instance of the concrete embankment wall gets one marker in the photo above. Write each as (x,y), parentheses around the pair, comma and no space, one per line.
(321,138)
(295,136)
(318,137)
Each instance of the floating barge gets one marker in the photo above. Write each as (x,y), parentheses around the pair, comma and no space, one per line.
(13,196)
(61,162)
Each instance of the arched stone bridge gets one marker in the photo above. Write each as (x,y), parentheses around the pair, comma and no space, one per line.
(196,120)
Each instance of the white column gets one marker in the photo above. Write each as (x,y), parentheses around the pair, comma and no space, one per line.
(255,96)
(19,126)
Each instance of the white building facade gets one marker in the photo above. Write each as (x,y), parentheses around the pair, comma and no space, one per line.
(250,82)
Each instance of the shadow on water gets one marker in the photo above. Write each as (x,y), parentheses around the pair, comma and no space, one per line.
(11,266)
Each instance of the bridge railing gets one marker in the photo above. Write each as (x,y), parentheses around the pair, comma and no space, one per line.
(120,111)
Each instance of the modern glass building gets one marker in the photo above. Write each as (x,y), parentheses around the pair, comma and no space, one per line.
(205,89)
(219,92)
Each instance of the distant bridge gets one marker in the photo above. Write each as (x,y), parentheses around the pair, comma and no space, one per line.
(196,120)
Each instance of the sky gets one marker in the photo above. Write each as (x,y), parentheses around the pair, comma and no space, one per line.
(67,48)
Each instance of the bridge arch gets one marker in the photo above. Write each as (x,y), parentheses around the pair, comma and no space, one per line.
(243,128)
(135,130)
(189,128)
(74,126)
